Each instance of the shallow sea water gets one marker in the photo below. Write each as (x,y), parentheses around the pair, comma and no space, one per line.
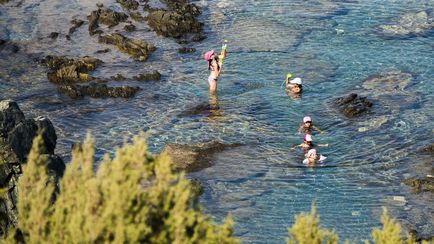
(262,184)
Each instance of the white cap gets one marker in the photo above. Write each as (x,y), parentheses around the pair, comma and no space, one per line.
(307,119)
(295,81)
(308,137)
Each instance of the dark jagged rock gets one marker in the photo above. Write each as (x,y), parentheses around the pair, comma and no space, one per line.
(130,28)
(137,49)
(198,37)
(104,16)
(128,4)
(97,90)
(353,105)
(10,115)
(408,25)
(154,76)
(16,139)
(425,184)
(54,35)
(66,71)
(186,50)
(7,47)
(76,23)
(191,158)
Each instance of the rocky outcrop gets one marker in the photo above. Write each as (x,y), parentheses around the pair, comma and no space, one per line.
(137,49)
(97,90)
(104,16)
(353,105)
(76,23)
(16,136)
(128,4)
(63,70)
(425,184)
(191,158)
(408,25)
(178,21)
(187,50)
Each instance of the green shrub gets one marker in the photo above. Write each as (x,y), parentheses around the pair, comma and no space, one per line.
(306,230)
(131,198)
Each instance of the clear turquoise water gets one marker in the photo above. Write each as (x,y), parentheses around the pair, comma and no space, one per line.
(262,184)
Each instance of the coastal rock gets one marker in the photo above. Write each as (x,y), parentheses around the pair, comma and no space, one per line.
(76,23)
(353,105)
(186,50)
(154,76)
(408,25)
(129,28)
(427,150)
(425,184)
(10,115)
(128,4)
(176,22)
(66,71)
(104,16)
(137,49)
(16,139)
(191,158)
(97,90)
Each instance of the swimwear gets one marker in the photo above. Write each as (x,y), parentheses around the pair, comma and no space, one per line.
(211,79)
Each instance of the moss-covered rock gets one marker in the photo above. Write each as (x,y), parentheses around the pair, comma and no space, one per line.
(425,184)
(104,16)
(154,76)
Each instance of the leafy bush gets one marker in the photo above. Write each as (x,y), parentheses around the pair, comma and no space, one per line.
(306,230)
(131,198)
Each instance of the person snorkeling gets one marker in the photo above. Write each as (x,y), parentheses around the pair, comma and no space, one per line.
(214,66)
(294,86)
(312,157)
(307,126)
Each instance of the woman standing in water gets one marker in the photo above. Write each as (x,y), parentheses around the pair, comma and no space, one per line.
(214,66)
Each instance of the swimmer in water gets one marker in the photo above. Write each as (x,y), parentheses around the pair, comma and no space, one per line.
(214,67)
(307,126)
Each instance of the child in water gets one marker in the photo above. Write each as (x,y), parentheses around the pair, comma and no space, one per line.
(307,126)
(312,157)
(294,85)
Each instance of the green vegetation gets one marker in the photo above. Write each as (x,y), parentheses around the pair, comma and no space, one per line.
(131,198)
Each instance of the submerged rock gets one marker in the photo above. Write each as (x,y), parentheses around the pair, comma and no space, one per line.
(196,157)
(137,49)
(427,150)
(154,76)
(425,184)
(353,105)
(387,82)
(186,50)
(97,90)
(410,24)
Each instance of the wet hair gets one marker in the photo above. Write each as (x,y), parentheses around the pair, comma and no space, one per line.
(210,61)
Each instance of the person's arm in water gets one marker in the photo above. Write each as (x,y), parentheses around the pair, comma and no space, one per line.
(322,145)
(317,129)
(294,147)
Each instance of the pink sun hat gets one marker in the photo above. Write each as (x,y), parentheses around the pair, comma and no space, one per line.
(207,55)
(307,137)
(307,119)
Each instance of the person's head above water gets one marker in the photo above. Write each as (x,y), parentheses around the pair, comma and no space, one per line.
(308,138)
(208,55)
(295,85)
(311,154)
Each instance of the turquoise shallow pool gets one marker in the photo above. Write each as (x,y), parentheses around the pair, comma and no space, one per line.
(332,45)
